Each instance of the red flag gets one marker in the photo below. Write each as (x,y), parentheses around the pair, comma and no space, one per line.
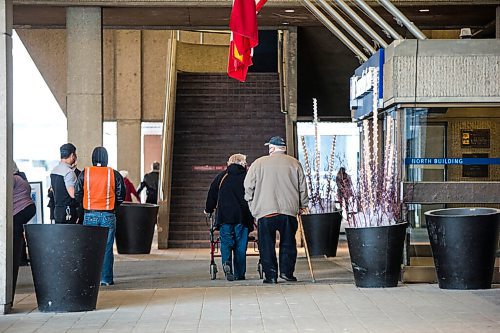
(244,36)
(259,4)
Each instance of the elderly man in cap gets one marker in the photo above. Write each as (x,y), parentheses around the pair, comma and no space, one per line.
(276,191)
(63,181)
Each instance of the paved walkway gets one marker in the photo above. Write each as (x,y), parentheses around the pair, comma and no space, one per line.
(170,291)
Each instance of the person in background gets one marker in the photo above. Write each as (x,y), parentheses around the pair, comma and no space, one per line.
(101,189)
(150,182)
(131,194)
(23,210)
(63,180)
(233,218)
(276,191)
(344,188)
(51,205)
(24,254)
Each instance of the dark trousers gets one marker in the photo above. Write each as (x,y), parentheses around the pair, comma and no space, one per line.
(287,227)
(60,215)
(20,219)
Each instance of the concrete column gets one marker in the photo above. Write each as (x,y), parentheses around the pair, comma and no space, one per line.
(167,144)
(128,101)
(5,155)
(497,23)
(84,80)
(290,56)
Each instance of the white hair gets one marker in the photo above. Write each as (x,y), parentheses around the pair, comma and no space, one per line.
(237,159)
(274,148)
(124,173)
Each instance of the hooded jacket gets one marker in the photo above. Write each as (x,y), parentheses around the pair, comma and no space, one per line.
(100,160)
(227,193)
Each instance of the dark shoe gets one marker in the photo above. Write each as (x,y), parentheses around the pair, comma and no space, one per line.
(24,263)
(289,278)
(270,280)
(227,272)
(239,278)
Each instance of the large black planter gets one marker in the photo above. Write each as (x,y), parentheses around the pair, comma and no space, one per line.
(322,233)
(66,263)
(135,227)
(464,242)
(376,254)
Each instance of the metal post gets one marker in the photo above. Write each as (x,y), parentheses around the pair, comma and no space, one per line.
(337,17)
(340,35)
(387,4)
(377,19)
(361,23)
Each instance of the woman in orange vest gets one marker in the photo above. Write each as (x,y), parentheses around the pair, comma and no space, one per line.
(101,190)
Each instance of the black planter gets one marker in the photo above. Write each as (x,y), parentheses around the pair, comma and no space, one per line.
(376,254)
(135,226)
(66,263)
(322,233)
(464,242)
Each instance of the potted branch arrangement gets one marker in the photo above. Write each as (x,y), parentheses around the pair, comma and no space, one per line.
(375,232)
(322,223)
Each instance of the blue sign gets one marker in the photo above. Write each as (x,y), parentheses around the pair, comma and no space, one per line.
(452,161)
(366,78)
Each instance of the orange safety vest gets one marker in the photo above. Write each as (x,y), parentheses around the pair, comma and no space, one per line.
(99,188)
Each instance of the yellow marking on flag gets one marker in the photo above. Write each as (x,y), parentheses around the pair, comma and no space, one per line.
(237,55)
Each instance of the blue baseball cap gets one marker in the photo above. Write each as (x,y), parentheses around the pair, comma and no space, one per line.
(276,141)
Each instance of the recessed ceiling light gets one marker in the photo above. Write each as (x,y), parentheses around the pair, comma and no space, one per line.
(289,10)
(285,23)
(424,10)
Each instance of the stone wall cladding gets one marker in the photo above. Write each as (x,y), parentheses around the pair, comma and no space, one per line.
(442,71)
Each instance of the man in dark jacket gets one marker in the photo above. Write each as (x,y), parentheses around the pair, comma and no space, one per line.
(101,189)
(233,218)
(63,180)
(150,182)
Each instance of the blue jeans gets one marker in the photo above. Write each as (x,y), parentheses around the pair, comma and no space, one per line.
(104,219)
(234,239)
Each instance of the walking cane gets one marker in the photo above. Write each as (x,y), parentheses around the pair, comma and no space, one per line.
(299,218)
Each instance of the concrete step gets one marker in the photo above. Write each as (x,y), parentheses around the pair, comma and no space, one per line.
(188,244)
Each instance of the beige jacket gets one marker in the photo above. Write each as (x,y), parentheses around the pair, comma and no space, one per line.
(276,184)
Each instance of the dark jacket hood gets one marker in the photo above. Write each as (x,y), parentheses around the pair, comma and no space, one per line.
(236,169)
(100,157)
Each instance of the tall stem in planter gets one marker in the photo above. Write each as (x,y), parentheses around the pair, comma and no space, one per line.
(307,167)
(317,157)
(330,170)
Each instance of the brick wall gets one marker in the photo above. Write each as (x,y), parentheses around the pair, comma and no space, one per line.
(215,118)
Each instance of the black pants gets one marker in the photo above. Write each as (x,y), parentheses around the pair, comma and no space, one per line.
(20,219)
(287,227)
(60,215)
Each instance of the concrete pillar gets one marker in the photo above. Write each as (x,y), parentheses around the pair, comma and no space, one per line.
(5,155)
(167,144)
(128,105)
(290,56)
(497,23)
(84,80)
